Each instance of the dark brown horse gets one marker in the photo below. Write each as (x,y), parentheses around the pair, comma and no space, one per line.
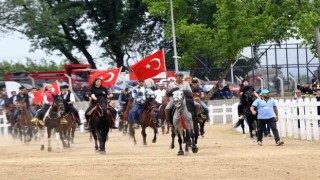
(163,119)
(125,114)
(53,122)
(13,130)
(24,122)
(68,130)
(147,119)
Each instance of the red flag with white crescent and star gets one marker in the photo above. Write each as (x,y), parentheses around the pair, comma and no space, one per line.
(109,77)
(149,66)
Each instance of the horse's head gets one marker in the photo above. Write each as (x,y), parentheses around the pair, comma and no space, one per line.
(178,98)
(58,103)
(102,104)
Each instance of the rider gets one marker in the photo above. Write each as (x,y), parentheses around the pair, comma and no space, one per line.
(197,89)
(123,100)
(22,95)
(139,95)
(182,85)
(47,102)
(68,100)
(160,93)
(96,90)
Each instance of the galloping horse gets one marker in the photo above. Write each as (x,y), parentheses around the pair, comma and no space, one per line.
(24,122)
(125,115)
(9,108)
(100,122)
(162,113)
(147,119)
(201,119)
(52,121)
(182,119)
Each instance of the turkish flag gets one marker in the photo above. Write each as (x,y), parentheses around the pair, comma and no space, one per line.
(109,77)
(56,87)
(38,97)
(149,66)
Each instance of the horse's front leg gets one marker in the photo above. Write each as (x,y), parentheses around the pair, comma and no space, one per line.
(155,131)
(187,140)
(144,135)
(132,134)
(49,130)
(180,152)
(173,135)
(194,145)
(93,134)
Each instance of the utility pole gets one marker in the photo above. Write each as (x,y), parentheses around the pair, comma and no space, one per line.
(175,56)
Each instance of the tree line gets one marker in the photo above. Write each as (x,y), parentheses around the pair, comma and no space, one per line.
(215,30)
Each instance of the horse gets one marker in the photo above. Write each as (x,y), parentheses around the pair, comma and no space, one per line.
(53,122)
(148,115)
(125,114)
(68,130)
(162,113)
(13,129)
(182,120)
(201,119)
(100,122)
(24,122)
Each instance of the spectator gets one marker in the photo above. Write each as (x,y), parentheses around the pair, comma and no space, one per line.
(276,83)
(226,92)
(219,93)
(266,108)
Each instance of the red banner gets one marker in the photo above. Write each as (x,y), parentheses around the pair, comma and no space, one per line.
(109,77)
(150,66)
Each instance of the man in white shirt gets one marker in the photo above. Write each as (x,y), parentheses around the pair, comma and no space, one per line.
(160,93)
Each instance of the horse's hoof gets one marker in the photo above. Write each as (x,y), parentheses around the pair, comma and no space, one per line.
(154,140)
(180,153)
(145,144)
(103,152)
(171,146)
(42,148)
(195,149)
(49,149)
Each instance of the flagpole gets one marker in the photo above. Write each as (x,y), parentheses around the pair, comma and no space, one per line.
(175,56)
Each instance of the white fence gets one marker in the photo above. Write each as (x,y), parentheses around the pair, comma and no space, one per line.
(3,125)
(290,113)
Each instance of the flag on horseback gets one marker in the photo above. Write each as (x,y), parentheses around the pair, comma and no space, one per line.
(150,66)
(38,95)
(108,77)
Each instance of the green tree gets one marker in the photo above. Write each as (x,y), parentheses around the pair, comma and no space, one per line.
(30,66)
(118,28)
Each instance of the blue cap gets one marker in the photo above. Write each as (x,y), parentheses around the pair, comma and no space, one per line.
(265,91)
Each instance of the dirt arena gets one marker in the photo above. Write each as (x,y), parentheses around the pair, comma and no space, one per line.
(223,154)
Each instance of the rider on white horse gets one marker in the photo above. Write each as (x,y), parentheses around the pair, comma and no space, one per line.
(182,85)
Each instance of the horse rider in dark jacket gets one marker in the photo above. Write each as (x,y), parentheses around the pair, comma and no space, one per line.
(68,101)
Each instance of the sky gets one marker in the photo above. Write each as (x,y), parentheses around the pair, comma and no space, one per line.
(16,47)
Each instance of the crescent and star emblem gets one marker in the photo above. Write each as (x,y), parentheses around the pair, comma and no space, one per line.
(110,79)
(154,59)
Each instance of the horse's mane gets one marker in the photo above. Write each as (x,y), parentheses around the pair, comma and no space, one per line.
(189,101)
(169,94)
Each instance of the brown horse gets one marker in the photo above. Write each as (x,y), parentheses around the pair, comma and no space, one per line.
(24,122)
(124,121)
(147,119)
(162,112)
(53,122)
(69,128)
(13,130)
(201,119)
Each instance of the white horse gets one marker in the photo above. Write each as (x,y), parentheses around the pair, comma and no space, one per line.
(182,119)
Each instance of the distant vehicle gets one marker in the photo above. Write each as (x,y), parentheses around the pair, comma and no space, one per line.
(233,87)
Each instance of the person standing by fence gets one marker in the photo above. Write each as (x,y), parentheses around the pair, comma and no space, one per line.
(266,108)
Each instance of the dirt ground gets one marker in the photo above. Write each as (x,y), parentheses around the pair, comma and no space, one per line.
(223,154)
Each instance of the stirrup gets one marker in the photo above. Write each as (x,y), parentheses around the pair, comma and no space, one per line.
(63,121)
(34,120)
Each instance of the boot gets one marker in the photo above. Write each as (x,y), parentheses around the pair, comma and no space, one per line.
(78,122)
(168,117)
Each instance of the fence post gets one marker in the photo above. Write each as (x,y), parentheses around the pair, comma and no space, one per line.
(289,117)
(295,117)
(282,119)
(302,119)
(308,106)
(211,114)
(82,119)
(315,119)
(224,112)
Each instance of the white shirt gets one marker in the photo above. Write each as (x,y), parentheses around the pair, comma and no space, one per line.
(160,93)
(72,98)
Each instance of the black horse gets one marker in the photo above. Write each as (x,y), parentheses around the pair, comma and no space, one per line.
(101,122)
